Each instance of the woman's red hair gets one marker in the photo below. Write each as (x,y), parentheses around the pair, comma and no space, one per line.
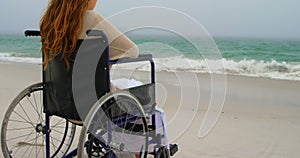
(60,27)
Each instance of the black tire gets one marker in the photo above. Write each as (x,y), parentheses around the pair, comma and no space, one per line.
(23,128)
(108,134)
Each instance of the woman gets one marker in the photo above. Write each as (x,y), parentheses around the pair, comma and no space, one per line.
(66,21)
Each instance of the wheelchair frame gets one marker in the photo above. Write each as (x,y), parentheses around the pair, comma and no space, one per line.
(160,151)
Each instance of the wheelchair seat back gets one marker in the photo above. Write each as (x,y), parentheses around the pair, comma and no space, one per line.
(58,91)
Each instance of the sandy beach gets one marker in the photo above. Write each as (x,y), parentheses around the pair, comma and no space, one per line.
(260,117)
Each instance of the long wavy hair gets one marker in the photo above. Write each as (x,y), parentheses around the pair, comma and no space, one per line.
(60,27)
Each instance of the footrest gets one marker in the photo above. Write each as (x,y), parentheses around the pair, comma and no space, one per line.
(173,149)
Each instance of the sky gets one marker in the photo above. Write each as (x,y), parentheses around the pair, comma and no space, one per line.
(230,18)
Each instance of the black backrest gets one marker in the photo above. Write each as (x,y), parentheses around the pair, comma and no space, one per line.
(59,82)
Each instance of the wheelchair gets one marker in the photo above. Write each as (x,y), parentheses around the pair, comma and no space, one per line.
(41,121)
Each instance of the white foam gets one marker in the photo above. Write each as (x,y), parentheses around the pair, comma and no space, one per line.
(8,57)
(5,54)
(267,69)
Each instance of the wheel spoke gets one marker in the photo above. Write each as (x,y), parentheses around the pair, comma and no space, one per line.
(36,106)
(19,146)
(34,140)
(57,131)
(44,141)
(23,118)
(38,152)
(52,142)
(19,121)
(61,127)
(58,123)
(27,149)
(56,126)
(25,112)
(20,136)
(14,129)
(120,126)
(56,139)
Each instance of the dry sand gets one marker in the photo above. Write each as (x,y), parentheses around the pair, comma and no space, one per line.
(260,118)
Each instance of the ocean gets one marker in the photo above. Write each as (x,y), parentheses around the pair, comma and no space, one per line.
(268,58)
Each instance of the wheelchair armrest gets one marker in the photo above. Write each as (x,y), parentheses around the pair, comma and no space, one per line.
(141,57)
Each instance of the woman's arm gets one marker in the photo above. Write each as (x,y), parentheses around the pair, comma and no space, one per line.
(120,45)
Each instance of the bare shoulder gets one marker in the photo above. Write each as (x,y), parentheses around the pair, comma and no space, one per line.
(94,15)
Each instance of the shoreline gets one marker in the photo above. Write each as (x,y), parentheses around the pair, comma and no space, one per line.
(164,71)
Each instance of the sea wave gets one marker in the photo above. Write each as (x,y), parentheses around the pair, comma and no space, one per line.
(267,69)
(11,57)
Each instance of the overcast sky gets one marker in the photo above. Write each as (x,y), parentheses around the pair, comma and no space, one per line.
(233,18)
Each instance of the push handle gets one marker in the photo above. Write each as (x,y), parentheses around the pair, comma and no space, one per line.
(32,33)
(141,57)
(96,33)
(88,32)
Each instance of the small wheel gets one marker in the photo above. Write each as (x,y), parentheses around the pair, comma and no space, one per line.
(23,128)
(162,153)
(116,127)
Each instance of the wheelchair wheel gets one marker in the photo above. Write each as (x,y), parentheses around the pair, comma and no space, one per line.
(115,127)
(23,128)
